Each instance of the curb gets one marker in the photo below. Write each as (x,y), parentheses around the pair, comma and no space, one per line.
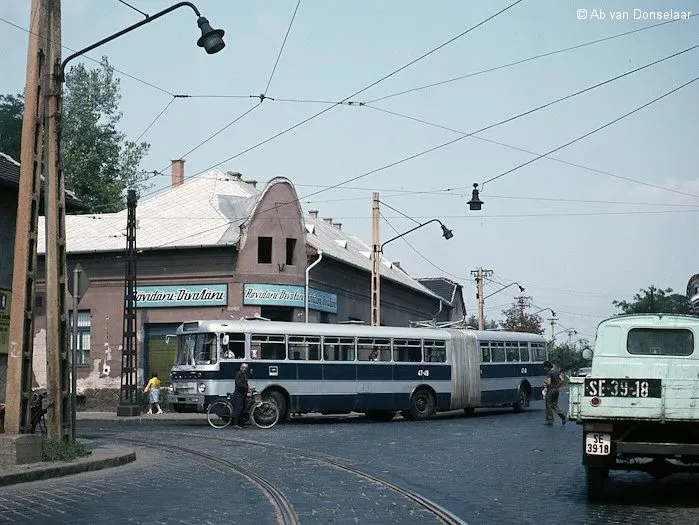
(36,473)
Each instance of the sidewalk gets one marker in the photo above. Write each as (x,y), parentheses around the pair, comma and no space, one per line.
(165,416)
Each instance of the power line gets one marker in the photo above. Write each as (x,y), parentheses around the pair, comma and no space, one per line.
(398,211)
(385,77)
(282,47)
(510,64)
(155,119)
(556,159)
(135,9)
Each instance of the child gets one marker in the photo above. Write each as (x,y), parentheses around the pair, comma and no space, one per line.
(153,389)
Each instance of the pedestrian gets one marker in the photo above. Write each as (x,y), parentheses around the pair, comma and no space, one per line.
(153,389)
(552,384)
(240,395)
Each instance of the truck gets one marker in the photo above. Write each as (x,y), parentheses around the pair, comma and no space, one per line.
(639,405)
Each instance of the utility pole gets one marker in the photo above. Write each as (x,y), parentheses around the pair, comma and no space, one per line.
(522,302)
(553,326)
(481,274)
(21,348)
(376,264)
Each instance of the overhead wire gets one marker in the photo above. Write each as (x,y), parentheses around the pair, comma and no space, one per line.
(134,8)
(282,47)
(155,119)
(353,95)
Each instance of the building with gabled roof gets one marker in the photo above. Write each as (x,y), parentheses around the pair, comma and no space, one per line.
(219,247)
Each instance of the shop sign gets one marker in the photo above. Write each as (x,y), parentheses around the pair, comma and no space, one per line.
(289,295)
(5,300)
(182,295)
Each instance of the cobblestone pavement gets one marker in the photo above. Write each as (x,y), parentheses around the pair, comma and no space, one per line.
(494,468)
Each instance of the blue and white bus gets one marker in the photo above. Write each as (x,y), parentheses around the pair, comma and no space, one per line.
(339,368)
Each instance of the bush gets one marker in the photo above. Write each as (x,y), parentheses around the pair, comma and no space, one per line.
(52,450)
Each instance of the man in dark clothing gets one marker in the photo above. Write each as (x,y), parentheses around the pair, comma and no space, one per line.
(240,395)
(552,384)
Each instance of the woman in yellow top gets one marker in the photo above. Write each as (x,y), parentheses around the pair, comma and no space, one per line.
(153,389)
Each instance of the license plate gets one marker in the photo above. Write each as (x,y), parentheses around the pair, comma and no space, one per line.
(624,387)
(185,386)
(598,444)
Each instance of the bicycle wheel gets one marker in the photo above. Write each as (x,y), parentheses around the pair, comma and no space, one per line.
(219,414)
(265,414)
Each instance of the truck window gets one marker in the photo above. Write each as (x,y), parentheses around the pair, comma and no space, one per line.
(660,341)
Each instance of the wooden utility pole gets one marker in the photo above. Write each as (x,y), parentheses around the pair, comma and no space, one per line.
(19,363)
(553,327)
(481,274)
(57,364)
(376,265)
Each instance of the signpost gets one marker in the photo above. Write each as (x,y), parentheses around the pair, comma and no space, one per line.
(78,283)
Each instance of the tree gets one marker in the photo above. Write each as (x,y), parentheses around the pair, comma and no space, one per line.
(569,357)
(655,300)
(99,164)
(11,108)
(489,324)
(518,320)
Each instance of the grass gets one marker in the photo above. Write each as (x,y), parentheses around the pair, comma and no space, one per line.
(52,450)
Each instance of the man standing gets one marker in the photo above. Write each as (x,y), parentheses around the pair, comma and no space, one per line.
(552,384)
(240,395)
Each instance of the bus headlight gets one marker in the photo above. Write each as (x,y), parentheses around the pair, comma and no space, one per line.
(202,387)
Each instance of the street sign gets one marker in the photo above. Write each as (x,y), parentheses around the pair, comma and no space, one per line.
(83,281)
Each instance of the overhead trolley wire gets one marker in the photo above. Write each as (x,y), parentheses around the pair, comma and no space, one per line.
(282,47)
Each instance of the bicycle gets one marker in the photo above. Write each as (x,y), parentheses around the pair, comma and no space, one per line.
(264,413)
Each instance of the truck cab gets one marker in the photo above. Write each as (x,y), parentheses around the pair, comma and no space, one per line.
(639,405)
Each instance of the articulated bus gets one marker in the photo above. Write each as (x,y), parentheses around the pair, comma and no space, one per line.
(338,369)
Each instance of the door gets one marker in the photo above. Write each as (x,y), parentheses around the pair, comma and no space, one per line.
(159,351)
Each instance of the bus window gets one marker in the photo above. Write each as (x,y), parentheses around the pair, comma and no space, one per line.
(407,350)
(512,351)
(497,351)
(338,348)
(485,352)
(268,347)
(306,348)
(233,346)
(435,351)
(523,351)
(369,349)
(538,351)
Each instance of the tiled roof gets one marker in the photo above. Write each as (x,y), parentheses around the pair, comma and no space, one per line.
(338,244)
(442,286)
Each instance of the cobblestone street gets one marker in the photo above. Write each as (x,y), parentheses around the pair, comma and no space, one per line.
(496,467)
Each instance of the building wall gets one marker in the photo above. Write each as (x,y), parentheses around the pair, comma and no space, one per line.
(8,219)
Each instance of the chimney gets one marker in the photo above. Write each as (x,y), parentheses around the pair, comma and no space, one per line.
(177,172)
(234,175)
(313,214)
(337,225)
(252,183)
(328,220)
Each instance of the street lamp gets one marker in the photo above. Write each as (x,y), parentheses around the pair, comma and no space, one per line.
(446,232)
(481,300)
(475,204)
(553,319)
(521,289)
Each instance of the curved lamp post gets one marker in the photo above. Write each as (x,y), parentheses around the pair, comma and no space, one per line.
(553,319)
(446,232)
(481,301)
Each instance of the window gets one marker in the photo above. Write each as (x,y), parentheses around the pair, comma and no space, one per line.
(538,351)
(523,351)
(497,351)
(83,348)
(663,341)
(435,351)
(306,348)
(233,346)
(264,250)
(290,247)
(196,349)
(369,349)
(407,350)
(485,352)
(209,350)
(512,351)
(338,348)
(268,346)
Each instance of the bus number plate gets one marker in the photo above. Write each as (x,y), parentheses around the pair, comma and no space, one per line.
(598,444)
(623,387)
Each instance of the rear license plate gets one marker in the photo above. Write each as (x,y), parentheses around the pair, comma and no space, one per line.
(598,444)
(624,387)
(186,386)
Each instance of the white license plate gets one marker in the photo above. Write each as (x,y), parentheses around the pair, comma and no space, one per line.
(597,444)
(186,386)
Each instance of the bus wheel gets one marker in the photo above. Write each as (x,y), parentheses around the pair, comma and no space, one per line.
(594,482)
(422,404)
(278,399)
(380,415)
(522,400)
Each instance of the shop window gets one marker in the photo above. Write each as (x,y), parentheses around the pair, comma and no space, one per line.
(290,247)
(264,250)
(407,350)
(370,349)
(83,326)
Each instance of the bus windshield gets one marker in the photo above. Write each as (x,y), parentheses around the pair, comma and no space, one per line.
(196,349)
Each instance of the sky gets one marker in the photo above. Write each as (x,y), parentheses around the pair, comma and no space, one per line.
(614,217)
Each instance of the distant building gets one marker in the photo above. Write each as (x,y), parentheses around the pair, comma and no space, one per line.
(452,294)
(693,293)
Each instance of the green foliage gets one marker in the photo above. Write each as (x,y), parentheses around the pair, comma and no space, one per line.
(569,357)
(518,320)
(11,108)
(655,300)
(52,450)
(100,164)
(472,320)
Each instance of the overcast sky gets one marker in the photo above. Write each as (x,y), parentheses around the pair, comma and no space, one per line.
(577,237)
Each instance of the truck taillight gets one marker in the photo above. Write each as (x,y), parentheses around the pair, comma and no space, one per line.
(595,401)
